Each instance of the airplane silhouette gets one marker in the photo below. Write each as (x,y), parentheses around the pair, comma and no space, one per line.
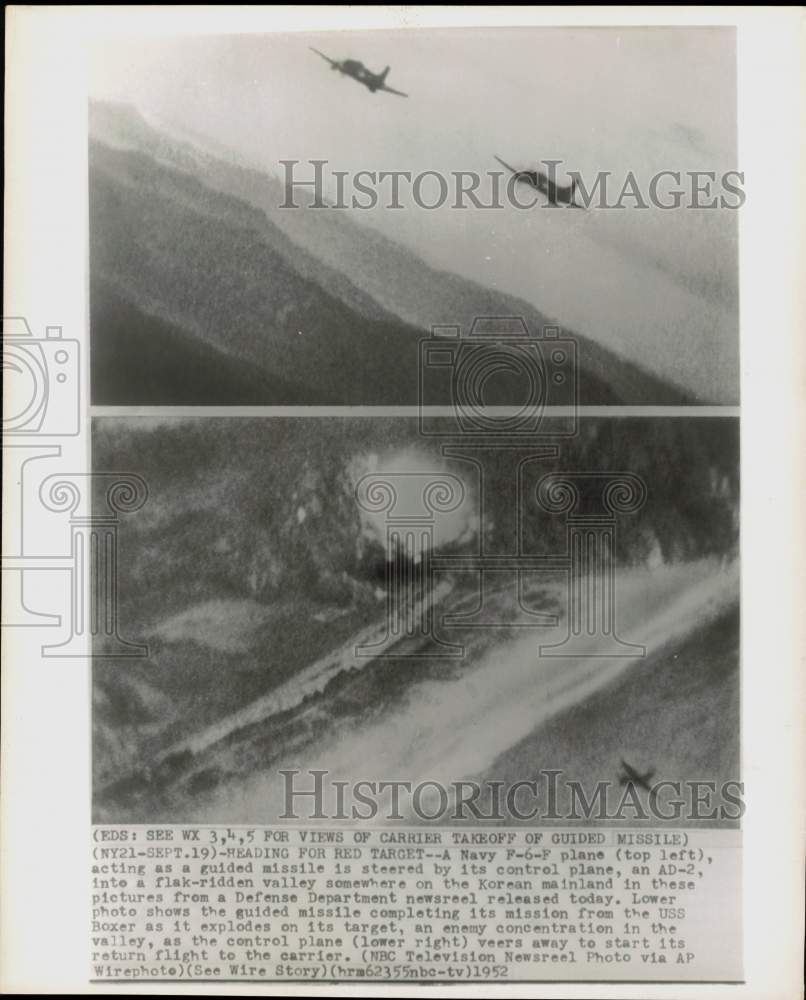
(359,72)
(630,776)
(536,179)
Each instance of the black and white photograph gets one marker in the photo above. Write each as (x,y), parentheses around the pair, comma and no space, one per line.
(401,566)
(415,582)
(277,575)
(282,219)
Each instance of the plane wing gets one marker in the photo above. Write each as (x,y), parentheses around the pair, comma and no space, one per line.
(390,90)
(631,772)
(503,164)
(332,62)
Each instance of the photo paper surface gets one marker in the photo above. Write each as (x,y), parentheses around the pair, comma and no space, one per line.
(384,519)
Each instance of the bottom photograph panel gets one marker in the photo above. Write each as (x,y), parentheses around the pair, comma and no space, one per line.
(337,621)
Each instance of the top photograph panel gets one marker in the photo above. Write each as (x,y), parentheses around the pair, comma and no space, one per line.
(430,217)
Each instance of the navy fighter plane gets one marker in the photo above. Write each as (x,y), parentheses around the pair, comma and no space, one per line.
(629,776)
(359,72)
(541,182)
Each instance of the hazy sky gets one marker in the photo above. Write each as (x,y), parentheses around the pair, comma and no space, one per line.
(598,99)
(573,94)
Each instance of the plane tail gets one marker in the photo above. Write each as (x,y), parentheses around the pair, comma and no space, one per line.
(384,75)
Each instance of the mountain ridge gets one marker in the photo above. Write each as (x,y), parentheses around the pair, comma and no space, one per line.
(344,269)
